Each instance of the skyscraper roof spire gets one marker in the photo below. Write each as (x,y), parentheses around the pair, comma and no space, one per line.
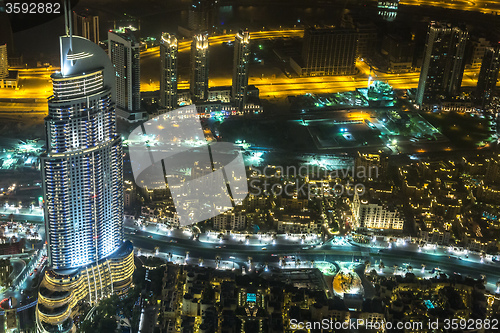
(68,26)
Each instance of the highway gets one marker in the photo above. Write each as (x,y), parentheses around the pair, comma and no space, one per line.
(35,83)
(184,45)
(483,6)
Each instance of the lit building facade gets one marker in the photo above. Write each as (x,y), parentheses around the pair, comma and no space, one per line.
(373,216)
(202,15)
(82,172)
(479,47)
(329,51)
(488,77)
(124,52)
(168,71)
(388,9)
(230,221)
(4,62)
(240,69)
(443,64)
(199,68)
(87,26)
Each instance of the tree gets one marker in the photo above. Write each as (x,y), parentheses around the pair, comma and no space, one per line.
(107,325)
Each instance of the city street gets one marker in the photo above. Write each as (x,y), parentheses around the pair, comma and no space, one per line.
(399,253)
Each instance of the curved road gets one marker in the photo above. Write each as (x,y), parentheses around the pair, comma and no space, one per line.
(390,257)
(483,6)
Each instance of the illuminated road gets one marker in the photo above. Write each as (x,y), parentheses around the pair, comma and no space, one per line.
(328,251)
(36,84)
(483,6)
(282,86)
(185,45)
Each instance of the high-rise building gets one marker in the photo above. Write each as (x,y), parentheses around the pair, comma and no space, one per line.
(199,67)
(479,47)
(82,172)
(202,15)
(240,69)
(488,77)
(4,63)
(388,9)
(443,63)
(329,51)
(367,32)
(86,25)
(124,52)
(399,52)
(168,71)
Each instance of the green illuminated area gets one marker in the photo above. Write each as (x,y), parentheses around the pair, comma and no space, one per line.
(378,93)
(338,100)
(387,128)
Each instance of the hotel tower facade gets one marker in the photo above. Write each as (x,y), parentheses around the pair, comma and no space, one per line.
(82,172)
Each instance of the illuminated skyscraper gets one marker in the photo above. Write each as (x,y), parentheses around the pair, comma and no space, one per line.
(388,9)
(443,63)
(124,52)
(82,172)
(199,67)
(4,64)
(168,74)
(488,77)
(240,69)
(86,25)
(202,15)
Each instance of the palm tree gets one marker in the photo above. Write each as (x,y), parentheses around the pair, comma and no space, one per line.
(423,268)
(312,263)
(381,265)
(367,265)
(395,269)
(282,262)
